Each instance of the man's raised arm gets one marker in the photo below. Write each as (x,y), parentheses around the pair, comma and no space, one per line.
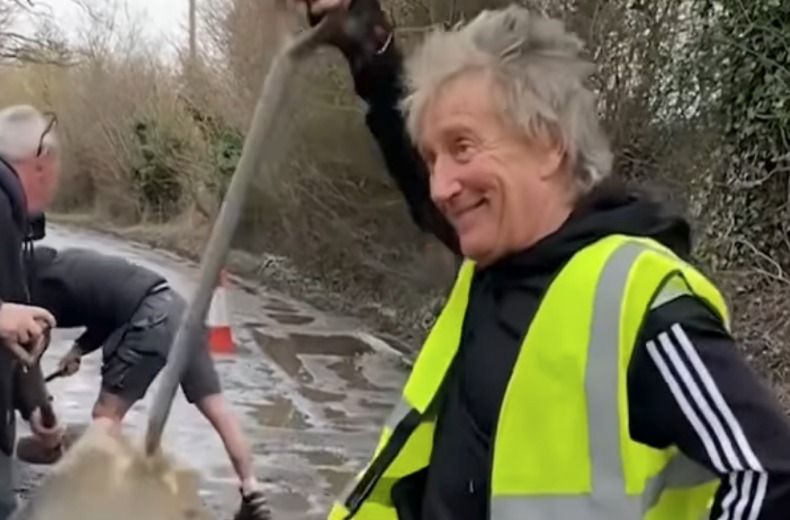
(366,39)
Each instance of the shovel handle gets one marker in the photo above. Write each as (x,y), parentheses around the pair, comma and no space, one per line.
(31,357)
(48,419)
(261,147)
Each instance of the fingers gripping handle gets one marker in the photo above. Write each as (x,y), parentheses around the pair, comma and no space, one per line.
(30,355)
(259,146)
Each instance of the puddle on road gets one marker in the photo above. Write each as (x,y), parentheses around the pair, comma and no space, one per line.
(286,351)
(282,352)
(373,405)
(338,345)
(397,344)
(337,480)
(347,370)
(292,319)
(320,396)
(278,309)
(333,413)
(280,413)
(289,501)
(253,324)
(324,458)
(273,304)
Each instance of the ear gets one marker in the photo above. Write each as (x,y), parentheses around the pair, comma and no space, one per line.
(552,153)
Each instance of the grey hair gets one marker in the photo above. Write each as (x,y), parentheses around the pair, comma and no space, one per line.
(537,65)
(21,127)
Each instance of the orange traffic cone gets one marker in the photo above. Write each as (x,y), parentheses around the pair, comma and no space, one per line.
(218,320)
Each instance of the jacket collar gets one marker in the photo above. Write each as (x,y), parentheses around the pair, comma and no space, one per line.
(11,186)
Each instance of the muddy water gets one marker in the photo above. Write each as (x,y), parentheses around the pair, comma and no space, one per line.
(311,390)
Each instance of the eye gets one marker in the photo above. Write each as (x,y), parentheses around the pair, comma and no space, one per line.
(429,158)
(462,149)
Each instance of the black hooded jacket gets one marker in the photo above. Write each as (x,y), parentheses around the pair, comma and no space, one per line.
(22,390)
(755,483)
(81,287)
(13,220)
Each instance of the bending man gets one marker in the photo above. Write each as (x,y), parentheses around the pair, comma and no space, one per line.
(132,314)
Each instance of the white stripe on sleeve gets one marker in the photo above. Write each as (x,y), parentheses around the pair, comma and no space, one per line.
(718,399)
(688,411)
(701,402)
(722,436)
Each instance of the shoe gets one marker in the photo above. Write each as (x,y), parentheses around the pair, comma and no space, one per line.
(254,506)
(31,450)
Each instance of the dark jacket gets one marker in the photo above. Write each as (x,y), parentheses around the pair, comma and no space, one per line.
(81,287)
(19,389)
(504,298)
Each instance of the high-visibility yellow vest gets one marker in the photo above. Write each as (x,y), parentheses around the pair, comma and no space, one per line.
(562,448)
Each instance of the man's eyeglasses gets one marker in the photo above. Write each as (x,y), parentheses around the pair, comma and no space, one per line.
(53,119)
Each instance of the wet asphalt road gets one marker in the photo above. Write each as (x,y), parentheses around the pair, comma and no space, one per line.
(311,391)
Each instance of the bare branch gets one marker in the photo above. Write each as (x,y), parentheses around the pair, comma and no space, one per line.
(15,46)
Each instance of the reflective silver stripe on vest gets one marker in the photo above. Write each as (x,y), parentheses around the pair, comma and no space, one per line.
(681,472)
(608,500)
(603,359)
(674,288)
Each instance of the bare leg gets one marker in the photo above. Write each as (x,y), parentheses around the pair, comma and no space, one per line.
(109,411)
(215,409)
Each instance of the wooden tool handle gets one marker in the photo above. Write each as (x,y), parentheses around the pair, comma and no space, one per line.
(262,147)
(48,419)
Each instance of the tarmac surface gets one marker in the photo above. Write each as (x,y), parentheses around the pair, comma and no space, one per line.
(310,389)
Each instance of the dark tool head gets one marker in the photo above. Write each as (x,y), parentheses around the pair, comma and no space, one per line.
(54,375)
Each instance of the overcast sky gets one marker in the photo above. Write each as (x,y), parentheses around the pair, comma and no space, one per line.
(163,20)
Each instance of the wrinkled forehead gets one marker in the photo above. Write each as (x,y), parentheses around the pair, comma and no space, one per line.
(464,102)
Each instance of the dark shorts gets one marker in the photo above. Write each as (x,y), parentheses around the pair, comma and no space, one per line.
(134,354)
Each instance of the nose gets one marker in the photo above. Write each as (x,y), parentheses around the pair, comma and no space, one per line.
(445,183)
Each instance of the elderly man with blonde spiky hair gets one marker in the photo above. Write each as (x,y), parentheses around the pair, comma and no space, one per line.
(582,367)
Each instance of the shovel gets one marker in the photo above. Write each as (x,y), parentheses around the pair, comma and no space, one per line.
(29,449)
(261,145)
(103,475)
